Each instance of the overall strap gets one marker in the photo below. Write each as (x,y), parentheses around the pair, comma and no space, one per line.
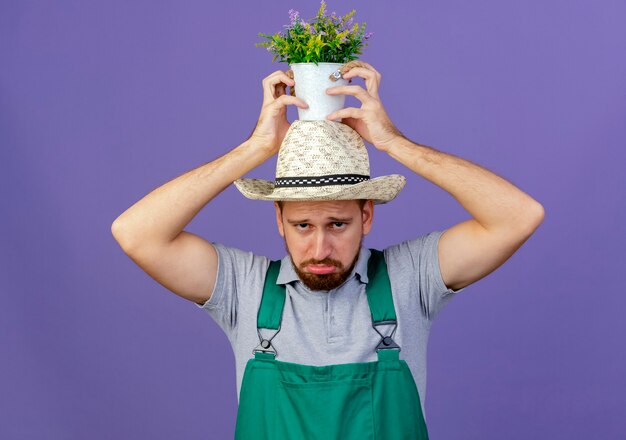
(380,300)
(270,311)
(273,299)
(379,288)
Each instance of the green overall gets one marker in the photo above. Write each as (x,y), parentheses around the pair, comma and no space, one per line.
(353,401)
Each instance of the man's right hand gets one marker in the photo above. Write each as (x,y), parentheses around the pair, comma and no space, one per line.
(272,125)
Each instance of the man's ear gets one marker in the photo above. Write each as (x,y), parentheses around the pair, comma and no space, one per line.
(279,220)
(368,216)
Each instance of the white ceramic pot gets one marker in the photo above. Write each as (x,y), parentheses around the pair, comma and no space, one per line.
(311,83)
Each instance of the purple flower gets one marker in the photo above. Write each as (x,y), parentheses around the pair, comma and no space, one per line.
(293,16)
(368,34)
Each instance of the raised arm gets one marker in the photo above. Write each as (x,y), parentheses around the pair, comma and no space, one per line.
(151,232)
(504,217)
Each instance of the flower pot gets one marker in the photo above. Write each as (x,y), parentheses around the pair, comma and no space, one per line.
(311,83)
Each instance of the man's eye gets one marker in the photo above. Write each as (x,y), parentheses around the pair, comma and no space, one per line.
(302,225)
(339,224)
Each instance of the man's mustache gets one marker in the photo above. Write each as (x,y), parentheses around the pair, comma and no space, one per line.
(326,261)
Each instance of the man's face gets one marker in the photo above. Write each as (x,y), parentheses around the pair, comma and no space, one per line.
(323,238)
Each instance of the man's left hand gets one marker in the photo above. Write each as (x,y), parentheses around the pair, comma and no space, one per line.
(371,120)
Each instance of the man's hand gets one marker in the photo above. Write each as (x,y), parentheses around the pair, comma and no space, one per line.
(371,120)
(272,125)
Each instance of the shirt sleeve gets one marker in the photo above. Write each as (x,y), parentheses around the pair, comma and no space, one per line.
(422,254)
(232,267)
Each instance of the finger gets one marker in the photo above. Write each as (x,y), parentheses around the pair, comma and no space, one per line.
(285,100)
(356,91)
(372,79)
(357,63)
(292,88)
(273,75)
(353,68)
(354,64)
(344,68)
(348,112)
(351,65)
(270,82)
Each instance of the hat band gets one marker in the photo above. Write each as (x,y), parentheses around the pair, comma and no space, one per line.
(332,179)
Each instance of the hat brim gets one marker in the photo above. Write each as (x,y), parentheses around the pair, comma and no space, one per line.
(380,189)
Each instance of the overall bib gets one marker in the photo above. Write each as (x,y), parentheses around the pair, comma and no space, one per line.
(353,401)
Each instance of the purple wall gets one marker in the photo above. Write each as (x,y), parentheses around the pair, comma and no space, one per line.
(101,102)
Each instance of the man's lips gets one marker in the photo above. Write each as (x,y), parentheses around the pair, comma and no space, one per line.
(320,269)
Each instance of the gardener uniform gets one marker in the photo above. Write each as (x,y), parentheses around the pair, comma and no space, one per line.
(329,364)
(356,401)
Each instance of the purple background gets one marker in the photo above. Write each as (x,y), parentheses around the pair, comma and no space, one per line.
(101,102)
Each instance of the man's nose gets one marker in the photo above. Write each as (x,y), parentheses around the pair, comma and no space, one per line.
(322,246)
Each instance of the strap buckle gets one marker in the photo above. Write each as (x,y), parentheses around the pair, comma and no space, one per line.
(387,342)
(265,345)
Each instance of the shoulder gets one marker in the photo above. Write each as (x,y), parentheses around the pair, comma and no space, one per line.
(239,260)
(237,253)
(415,264)
(237,269)
(411,251)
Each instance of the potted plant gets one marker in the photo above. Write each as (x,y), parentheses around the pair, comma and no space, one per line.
(314,51)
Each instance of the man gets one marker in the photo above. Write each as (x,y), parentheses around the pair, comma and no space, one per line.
(329,295)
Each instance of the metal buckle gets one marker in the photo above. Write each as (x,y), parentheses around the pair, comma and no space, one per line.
(266,344)
(387,342)
(337,75)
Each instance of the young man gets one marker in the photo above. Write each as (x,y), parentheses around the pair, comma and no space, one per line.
(314,335)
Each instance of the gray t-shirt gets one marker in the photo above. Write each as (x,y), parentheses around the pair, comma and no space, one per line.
(334,327)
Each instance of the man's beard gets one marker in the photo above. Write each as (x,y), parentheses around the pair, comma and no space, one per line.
(325,281)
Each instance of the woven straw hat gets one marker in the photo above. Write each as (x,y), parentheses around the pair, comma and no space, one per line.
(322,160)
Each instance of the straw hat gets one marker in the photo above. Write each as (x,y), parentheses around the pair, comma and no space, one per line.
(322,160)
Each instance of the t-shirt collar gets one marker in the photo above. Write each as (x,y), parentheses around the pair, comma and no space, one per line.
(287,274)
